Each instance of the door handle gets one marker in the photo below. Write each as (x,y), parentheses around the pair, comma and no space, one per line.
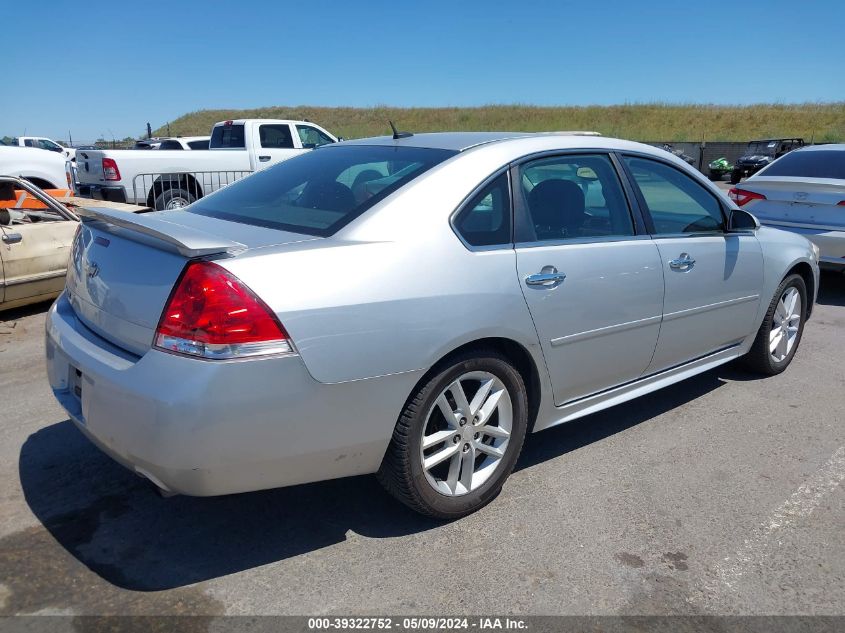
(549,278)
(12,238)
(263,159)
(683,262)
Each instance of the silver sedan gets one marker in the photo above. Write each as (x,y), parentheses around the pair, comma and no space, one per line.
(412,307)
(803,192)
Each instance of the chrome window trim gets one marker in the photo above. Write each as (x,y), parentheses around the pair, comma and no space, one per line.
(468,198)
(598,239)
(663,236)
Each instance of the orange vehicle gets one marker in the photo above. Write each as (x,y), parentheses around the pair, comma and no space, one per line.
(24,199)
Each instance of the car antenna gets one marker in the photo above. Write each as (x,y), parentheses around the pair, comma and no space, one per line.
(397,134)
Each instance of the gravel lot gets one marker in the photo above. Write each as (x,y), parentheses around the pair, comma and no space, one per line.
(719,495)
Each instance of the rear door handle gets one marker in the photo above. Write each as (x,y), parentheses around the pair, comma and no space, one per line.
(550,277)
(682,263)
(263,159)
(12,238)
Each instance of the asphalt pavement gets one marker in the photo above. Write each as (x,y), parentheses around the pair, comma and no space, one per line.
(720,495)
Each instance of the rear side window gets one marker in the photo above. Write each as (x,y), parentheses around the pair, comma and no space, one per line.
(228,137)
(809,163)
(486,219)
(170,145)
(319,192)
(676,203)
(573,197)
(275,136)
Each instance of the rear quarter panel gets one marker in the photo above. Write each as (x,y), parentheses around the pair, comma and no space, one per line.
(782,251)
(395,291)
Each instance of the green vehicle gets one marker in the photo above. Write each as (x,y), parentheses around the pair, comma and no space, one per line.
(720,167)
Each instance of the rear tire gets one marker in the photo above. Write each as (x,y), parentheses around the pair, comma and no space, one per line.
(780,333)
(736,176)
(173,199)
(433,464)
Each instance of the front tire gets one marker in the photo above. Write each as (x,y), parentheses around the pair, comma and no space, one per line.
(736,176)
(780,333)
(458,437)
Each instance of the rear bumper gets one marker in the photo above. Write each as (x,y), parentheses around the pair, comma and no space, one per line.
(217,427)
(109,193)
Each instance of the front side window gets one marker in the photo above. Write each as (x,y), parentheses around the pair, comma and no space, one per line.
(203,144)
(486,219)
(312,137)
(676,203)
(170,145)
(275,136)
(574,196)
(49,145)
(319,192)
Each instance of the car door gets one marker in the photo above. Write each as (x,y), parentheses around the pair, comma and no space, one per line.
(274,142)
(35,243)
(590,275)
(712,278)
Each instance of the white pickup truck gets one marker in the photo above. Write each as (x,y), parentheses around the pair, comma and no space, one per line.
(171,179)
(44,169)
(42,142)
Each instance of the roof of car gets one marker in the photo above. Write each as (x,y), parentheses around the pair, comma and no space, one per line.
(823,146)
(456,141)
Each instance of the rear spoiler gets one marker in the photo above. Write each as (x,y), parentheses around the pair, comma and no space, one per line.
(185,240)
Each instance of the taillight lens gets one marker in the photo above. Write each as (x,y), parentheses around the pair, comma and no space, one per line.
(110,170)
(213,314)
(741,196)
(841,203)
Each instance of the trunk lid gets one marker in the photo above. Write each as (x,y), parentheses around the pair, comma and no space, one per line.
(802,201)
(123,266)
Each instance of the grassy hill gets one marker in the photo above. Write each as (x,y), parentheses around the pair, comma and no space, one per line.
(643,122)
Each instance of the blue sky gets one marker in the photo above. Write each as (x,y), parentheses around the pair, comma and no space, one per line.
(101,68)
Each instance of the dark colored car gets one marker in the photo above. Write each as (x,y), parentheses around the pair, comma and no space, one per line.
(760,153)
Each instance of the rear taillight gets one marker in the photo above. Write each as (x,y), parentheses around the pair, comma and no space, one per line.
(741,196)
(110,170)
(841,203)
(213,314)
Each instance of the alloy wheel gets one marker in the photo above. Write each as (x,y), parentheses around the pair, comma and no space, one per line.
(466,433)
(785,324)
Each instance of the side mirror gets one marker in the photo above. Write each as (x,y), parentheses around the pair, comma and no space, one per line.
(740,220)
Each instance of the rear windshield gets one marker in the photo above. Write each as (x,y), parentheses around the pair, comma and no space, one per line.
(319,192)
(228,137)
(809,163)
